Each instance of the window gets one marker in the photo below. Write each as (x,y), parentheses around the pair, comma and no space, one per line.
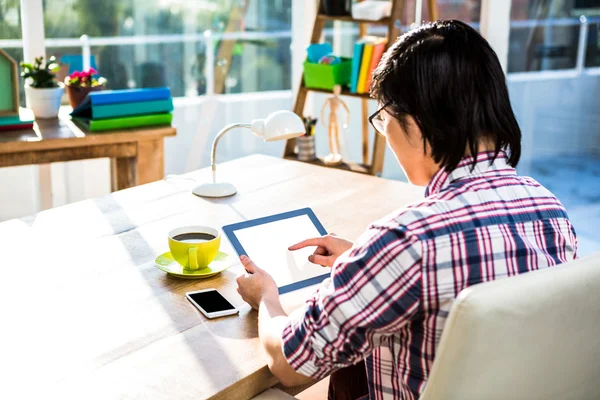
(545,34)
(163,42)
(592,53)
(464,10)
(556,105)
(10,33)
(10,19)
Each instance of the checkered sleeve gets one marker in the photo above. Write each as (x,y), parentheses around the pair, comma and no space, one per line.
(374,290)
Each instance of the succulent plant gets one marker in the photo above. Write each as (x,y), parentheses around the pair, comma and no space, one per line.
(41,77)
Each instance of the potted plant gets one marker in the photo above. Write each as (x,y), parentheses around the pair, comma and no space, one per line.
(42,90)
(79,84)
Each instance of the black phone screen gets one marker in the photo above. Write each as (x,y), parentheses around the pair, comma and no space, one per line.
(211,301)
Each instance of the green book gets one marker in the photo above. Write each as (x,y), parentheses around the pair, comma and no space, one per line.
(103,111)
(98,125)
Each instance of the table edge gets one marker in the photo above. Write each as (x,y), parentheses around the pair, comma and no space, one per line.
(91,139)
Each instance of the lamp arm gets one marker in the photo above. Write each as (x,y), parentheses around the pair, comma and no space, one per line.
(213,160)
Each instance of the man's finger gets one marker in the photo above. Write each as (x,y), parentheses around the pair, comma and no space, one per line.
(325,261)
(249,264)
(320,241)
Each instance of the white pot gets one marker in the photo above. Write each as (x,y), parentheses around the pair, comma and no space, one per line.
(45,103)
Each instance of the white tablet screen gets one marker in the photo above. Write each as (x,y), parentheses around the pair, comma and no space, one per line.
(267,245)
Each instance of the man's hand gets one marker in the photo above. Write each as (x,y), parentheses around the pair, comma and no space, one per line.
(256,285)
(258,289)
(329,248)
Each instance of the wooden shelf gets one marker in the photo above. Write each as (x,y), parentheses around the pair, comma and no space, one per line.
(360,168)
(347,18)
(345,92)
(372,161)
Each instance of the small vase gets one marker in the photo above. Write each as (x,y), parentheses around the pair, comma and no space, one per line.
(77,93)
(44,103)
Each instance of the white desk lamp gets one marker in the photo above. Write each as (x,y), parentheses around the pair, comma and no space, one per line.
(280,125)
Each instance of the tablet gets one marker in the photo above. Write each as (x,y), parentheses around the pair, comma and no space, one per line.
(266,241)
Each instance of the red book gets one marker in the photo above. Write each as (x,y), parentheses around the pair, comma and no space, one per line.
(16,127)
(378,49)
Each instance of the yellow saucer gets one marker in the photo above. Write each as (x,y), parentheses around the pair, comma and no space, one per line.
(167,263)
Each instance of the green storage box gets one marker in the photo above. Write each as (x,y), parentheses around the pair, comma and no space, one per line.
(324,76)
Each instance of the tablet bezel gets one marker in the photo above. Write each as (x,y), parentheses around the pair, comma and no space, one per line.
(229,231)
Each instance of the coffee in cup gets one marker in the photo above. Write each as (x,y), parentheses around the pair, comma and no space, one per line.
(194,247)
(194,237)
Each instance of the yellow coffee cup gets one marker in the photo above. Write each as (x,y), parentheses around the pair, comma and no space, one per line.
(194,247)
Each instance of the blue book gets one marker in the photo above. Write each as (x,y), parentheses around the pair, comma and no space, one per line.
(126,96)
(356,61)
(104,111)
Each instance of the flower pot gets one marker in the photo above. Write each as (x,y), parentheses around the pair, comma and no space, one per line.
(77,93)
(44,103)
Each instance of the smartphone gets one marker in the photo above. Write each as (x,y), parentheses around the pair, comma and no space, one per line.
(211,303)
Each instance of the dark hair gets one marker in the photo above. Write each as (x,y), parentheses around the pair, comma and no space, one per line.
(447,77)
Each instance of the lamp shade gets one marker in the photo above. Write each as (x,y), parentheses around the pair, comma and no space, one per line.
(280,125)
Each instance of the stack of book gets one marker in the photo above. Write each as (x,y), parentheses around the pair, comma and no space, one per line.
(14,122)
(122,109)
(367,54)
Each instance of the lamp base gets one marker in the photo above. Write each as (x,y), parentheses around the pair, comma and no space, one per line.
(221,189)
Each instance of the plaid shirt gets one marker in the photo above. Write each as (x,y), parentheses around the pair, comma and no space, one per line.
(389,296)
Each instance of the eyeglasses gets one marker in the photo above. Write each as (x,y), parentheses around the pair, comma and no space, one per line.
(376,121)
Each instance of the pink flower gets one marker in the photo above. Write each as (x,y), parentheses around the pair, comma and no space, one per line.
(92,71)
(76,74)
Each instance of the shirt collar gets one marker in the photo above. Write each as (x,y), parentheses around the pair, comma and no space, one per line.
(484,167)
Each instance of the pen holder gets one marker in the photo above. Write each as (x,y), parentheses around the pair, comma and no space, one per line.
(306,148)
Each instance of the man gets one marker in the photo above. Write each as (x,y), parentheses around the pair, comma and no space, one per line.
(446,115)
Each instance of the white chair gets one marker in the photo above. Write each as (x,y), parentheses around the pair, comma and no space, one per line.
(533,336)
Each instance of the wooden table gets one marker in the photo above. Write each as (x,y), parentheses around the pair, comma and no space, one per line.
(137,155)
(85,313)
